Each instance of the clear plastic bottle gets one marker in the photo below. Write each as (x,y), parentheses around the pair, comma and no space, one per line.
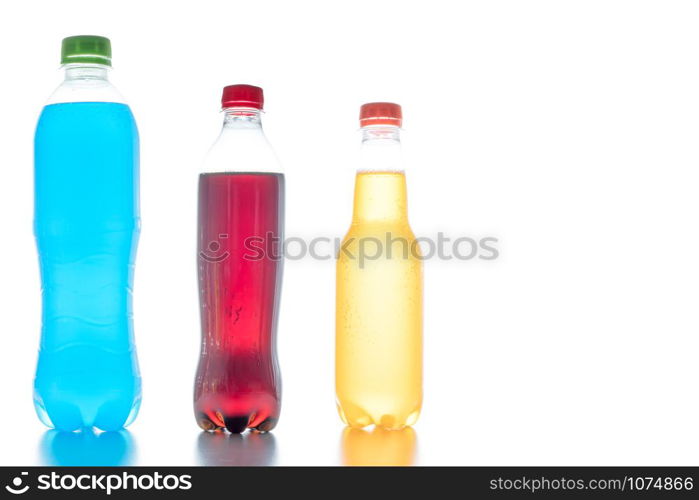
(379,288)
(241,226)
(87,224)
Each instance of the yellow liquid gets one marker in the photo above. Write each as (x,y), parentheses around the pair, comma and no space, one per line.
(378,345)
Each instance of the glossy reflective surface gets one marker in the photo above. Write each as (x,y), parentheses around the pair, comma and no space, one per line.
(87,448)
(249,449)
(379,447)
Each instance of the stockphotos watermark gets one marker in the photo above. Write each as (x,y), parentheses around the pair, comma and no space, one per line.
(362,249)
(104,483)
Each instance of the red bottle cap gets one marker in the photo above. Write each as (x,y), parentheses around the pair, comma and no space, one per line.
(380,113)
(244,96)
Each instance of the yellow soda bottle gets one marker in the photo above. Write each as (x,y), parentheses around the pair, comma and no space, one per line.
(378,344)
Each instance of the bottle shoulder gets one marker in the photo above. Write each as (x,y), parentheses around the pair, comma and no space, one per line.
(387,241)
(380,229)
(242,151)
(86,91)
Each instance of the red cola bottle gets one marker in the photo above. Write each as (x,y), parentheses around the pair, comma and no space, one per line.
(240,231)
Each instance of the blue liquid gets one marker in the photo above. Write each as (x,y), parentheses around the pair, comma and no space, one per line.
(87,226)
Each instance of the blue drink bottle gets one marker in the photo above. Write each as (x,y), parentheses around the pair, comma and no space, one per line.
(86,226)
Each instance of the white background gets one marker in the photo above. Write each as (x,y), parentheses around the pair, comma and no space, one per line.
(569,130)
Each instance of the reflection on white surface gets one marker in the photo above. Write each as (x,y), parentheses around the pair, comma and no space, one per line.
(248,449)
(378,447)
(87,447)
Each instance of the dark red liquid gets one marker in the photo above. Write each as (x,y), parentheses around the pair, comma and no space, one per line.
(241,223)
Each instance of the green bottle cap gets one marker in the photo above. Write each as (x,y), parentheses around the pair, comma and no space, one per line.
(86,49)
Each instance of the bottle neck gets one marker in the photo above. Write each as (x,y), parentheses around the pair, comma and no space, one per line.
(242,119)
(380,189)
(86,72)
(381,149)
